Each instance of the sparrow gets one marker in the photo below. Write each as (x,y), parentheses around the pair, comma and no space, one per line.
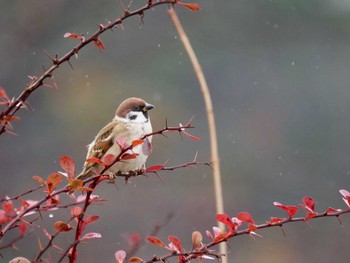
(131,122)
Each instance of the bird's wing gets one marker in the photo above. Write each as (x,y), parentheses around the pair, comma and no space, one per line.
(98,148)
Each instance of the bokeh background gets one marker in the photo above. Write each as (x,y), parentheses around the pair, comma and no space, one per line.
(279,76)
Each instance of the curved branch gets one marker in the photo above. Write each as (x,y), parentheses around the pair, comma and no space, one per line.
(36,82)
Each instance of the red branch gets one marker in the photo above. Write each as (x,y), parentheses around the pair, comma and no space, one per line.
(205,249)
(36,82)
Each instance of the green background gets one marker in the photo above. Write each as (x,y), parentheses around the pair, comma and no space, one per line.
(279,76)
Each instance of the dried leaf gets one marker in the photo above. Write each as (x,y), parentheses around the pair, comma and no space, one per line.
(197,239)
(61,226)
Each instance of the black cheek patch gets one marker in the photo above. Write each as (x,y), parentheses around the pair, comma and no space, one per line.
(132,117)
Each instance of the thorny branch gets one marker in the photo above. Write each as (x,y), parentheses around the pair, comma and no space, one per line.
(21,101)
(39,206)
(206,249)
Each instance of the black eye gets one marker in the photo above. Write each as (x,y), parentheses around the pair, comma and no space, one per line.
(136,108)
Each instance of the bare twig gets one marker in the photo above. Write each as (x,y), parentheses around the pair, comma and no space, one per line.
(211,120)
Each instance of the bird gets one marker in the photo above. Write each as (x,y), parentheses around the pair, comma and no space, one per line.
(130,123)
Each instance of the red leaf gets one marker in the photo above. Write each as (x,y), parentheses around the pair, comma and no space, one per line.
(8,207)
(120,255)
(94,160)
(75,184)
(310,215)
(76,211)
(176,243)
(98,43)
(3,94)
(24,203)
(136,259)
(75,36)
(22,227)
(122,143)
(67,164)
(61,226)
(3,218)
(39,179)
(276,220)
(331,210)
(129,156)
(91,235)
(192,6)
(346,196)
(208,233)
(191,136)
(309,203)
(156,241)
(252,227)
(53,180)
(134,239)
(10,118)
(225,219)
(91,219)
(136,142)
(221,237)
(245,217)
(154,168)
(290,209)
(108,159)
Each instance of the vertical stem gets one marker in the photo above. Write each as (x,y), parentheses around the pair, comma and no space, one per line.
(211,120)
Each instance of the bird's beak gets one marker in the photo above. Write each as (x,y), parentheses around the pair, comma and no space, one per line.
(147,107)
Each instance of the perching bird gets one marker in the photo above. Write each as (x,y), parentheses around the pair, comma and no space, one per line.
(130,123)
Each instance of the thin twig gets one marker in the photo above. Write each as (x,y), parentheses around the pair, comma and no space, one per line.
(37,82)
(211,119)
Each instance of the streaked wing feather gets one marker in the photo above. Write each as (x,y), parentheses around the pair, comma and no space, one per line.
(103,141)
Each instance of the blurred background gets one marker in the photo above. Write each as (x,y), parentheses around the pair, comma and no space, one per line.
(279,78)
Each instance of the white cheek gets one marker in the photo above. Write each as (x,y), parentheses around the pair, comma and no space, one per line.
(139,117)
